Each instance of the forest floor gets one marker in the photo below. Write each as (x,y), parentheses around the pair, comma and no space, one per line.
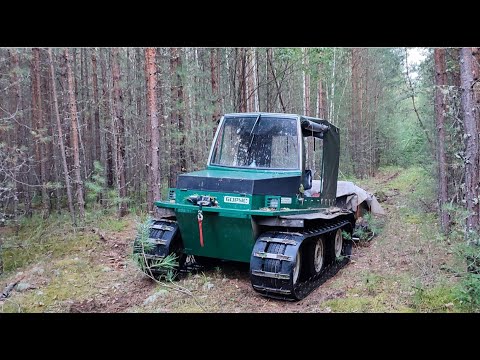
(403,269)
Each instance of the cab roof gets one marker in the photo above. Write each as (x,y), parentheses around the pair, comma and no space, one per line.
(284,115)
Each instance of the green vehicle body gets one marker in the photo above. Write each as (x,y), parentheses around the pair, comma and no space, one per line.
(244,197)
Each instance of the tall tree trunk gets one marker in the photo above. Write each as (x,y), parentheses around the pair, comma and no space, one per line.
(471,137)
(251,92)
(106,111)
(277,85)
(76,149)
(89,123)
(81,116)
(241,71)
(60,138)
(96,112)
(148,126)
(173,169)
(476,95)
(181,113)
(251,80)
(354,121)
(40,130)
(53,152)
(310,154)
(214,76)
(320,93)
(363,111)
(16,108)
(154,172)
(177,121)
(163,120)
(256,81)
(440,112)
(139,90)
(119,130)
(331,108)
(49,160)
(23,137)
(306,82)
(269,87)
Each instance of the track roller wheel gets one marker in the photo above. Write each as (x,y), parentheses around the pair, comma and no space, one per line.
(338,243)
(296,269)
(347,245)
(316,255)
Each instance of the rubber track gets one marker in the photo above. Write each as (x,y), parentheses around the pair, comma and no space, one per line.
(161,239)
(271,281)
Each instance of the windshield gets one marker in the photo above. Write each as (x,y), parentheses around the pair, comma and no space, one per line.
(257,142)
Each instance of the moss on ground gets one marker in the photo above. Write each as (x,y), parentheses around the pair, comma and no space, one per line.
(19,253)
(113,224)
(72,278)
(439,298)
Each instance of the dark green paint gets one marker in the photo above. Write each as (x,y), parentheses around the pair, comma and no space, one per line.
(225,237)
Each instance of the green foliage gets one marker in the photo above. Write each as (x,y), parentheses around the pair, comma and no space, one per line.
(113,200)
(458,214)
(439,298)
(401,139)
(96,185)
(141,247)
(468,255)
(141,243)
(362,234)
(112,223)
(419,186)
(372,281)
(468,291)
(346,235)
(375,224)
(366,227)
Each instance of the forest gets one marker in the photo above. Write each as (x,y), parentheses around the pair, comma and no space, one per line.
(91,137)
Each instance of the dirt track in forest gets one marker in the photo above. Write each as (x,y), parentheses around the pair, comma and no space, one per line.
(382,276)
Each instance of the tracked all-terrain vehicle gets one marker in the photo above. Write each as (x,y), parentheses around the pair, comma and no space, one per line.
(257,202)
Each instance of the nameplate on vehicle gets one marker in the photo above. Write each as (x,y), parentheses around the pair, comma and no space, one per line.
(236,200)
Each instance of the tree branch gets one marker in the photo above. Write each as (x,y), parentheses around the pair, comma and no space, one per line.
(413,100)
(276,83)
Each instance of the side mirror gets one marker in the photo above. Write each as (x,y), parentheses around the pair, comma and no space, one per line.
(307,179)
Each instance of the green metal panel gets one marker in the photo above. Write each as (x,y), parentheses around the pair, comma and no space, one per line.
(225,237)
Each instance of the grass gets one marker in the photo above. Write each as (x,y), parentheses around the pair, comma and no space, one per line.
(73,269)
(439,298)
(43,239)
(362,304)
(74,278)
(408,179)
(113,224)
(55,237)
(374,291)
